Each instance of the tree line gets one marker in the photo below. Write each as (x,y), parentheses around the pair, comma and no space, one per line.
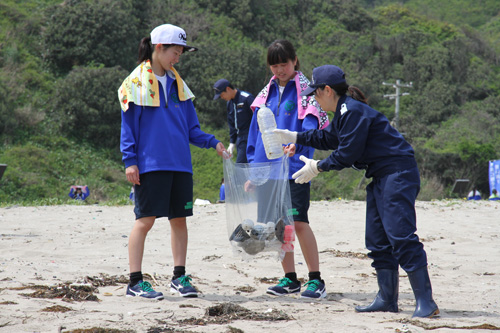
(62,63)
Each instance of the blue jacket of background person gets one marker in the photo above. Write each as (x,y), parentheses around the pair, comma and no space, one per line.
(222,193)
(239,108)
(474,195)
(84,192)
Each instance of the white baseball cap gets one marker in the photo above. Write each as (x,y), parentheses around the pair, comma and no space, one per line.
(170,34)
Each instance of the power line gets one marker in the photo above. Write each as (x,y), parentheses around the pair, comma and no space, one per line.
(398,85)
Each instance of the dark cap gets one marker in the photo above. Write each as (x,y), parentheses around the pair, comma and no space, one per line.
(219,87)
(324,75)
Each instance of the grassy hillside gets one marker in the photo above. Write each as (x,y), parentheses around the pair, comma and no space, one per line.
(62,62)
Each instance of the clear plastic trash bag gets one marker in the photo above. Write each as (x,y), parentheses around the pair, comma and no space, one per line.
(258,207)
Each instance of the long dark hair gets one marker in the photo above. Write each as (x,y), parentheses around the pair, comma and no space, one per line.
(354,92)
(146,49)
(281,51)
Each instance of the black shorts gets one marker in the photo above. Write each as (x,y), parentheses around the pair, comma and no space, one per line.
(301,195)
(164,193)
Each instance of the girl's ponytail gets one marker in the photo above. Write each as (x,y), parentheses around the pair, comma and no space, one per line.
(145,50)
(357,94)
(342,89)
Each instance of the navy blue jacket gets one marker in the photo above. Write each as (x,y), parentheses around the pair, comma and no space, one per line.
(362,138)
(241,103)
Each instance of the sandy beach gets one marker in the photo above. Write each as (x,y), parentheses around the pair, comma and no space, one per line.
(65,269)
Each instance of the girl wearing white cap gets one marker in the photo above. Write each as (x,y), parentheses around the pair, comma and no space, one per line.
(362,138)
(159,122)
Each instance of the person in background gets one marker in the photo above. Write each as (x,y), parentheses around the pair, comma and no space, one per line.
(239,116)
(131,196)
(222,192)
(297,113)
(362,138)
(494,195)
(159,122)
(474,195)
(79,192)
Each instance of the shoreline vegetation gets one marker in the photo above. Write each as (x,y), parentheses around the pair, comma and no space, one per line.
(60,71)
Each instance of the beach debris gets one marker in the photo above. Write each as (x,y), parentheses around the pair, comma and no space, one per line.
(430,326)
(67,292)
(404,329)
(227,312)
(276,280)
(245,289)
(5,324)
(233,266)
(104,280)
(82,290)
(345,254)
(235,311)
(56,308)
(430,238)
(211,258)
(100,330)
(166,328)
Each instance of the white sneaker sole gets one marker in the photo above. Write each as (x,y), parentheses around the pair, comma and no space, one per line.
(192,294)
(156,298)
(322,295)
(272,292)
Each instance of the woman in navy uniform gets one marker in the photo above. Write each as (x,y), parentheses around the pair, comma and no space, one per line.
(363,138)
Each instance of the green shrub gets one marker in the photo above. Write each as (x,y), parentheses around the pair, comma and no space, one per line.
(85,106)
(79,33)
(41,171)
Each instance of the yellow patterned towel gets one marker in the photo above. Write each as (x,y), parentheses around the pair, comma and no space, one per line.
(141,87)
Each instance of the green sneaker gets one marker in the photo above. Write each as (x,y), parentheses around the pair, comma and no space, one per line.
(284,287)
(315,289)
(183,286)
(143,289)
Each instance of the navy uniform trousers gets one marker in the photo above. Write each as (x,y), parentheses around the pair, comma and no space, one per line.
(391,222)
(241,149)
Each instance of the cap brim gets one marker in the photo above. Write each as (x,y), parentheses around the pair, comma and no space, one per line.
(216,96)
(309,91)
(190,49)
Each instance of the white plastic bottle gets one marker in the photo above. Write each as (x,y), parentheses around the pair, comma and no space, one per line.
(267,124)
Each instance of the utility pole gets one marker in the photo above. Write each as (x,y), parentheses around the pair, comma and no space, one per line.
(398,85)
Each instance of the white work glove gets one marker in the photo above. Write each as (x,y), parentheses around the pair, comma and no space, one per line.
(308,171)
(230,149)
(285,136)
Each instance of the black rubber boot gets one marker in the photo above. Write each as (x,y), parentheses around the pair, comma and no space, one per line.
(421,285)
(387,297)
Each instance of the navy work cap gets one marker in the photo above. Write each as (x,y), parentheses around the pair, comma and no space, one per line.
(324,75)
(220,86)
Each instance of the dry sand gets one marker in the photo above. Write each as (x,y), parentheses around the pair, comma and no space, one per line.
(42,248)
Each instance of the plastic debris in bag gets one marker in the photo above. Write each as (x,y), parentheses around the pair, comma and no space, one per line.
(258,207)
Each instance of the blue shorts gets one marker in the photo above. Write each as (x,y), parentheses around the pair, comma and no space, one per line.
(164,193)
(301,195)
